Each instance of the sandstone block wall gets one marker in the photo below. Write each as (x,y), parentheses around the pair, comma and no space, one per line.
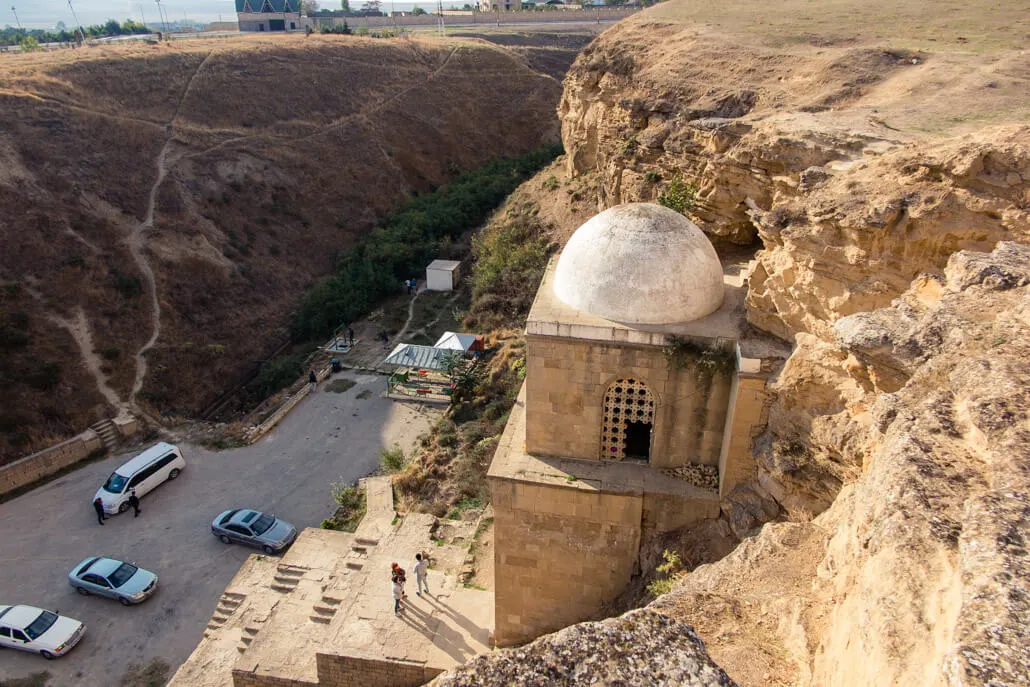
(243,678)
(352,671)
(45,463)
(564,552)
(566,383)
(745,420)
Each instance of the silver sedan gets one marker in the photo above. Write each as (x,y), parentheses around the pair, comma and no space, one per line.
(114,579)
(254,528)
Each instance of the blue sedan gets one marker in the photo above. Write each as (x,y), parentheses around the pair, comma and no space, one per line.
(254,528)
(114,579)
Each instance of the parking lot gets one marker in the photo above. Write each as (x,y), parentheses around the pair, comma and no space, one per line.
(328,437)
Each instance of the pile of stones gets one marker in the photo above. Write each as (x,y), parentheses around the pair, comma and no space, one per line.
(701,476)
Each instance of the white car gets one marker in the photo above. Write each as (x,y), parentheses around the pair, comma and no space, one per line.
(143,473)
(42,632)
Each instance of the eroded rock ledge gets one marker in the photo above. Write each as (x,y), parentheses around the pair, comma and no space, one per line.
(641,647)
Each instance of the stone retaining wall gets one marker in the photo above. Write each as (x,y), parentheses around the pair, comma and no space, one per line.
(48,461)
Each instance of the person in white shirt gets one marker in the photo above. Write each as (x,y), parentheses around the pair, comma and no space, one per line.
(421,572)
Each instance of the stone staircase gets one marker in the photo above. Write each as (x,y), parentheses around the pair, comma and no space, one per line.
(286,577)
(108,433)
(227,605)
(247,638)
(324,611)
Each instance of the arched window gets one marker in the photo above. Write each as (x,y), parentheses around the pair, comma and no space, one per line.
(628,420)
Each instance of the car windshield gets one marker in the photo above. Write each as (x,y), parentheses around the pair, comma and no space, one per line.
(122,575)
(41,624)
(261,525)
(115,483)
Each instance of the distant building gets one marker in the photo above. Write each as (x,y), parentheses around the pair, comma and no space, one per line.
(270,15)
(499,5)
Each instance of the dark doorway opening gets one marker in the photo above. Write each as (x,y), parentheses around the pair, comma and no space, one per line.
(638,440)
(276,24)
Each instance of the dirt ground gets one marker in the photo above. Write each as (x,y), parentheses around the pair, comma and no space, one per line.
(329,437)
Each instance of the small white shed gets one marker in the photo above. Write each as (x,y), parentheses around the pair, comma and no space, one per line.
(442,275)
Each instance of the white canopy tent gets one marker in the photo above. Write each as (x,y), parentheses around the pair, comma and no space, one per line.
(456,342)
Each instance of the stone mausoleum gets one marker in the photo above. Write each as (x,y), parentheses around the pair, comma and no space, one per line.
(641,398)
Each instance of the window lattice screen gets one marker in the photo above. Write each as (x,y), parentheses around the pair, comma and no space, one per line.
(627,400)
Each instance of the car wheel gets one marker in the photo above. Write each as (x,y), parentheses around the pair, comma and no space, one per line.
(225,539)
(82,590)
(47,655)
(268,549)
(173,474)
(123,601)
(123,506)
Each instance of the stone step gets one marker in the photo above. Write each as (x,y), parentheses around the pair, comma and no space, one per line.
(331,600)
(213,626)
(354,566)
(216,618)
(241,649)
(365,541)
(285,589)
(234,596)
(325,620)
(362,550)
(286,579)
(324,610)
(287,569)
(251,630)
(247,640)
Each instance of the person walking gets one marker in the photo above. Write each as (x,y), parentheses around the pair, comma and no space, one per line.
(398,586)
(421,573)
(398,594)
(134,502)
(313,380)
(98,506)
(350,335)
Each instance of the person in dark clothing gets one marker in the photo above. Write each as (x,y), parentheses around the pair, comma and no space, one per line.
(350,335)
(134,502)
(98,506)
(312,379)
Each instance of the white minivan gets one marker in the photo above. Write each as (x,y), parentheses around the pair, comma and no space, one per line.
(142,473)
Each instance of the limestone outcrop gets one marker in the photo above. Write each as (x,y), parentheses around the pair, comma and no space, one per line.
(917,573)
(640,647)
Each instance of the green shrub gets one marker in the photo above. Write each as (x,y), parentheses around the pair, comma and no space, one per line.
(653,177)
(129,287)
(392,459)
(351,505)
(551,183)
(679,196)
(276,374)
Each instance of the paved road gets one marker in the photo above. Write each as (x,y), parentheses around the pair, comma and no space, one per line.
(328,437)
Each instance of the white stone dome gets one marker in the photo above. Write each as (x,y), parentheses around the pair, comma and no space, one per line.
(640,263)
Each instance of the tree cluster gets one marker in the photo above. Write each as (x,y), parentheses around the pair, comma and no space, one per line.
(408,240)
(12,36)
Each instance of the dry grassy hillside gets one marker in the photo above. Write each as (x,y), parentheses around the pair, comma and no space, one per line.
(177,199)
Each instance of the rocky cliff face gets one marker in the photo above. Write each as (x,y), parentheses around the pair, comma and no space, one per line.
(883,169)
(916,573)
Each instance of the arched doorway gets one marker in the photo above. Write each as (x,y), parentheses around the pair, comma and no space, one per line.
(628,420)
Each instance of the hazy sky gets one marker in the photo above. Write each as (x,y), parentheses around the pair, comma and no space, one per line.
(44,14)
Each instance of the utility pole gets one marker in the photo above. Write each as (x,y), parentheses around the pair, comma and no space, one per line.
(82,34)
(162,17)
(439,15)
(16,20)
(141,15)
